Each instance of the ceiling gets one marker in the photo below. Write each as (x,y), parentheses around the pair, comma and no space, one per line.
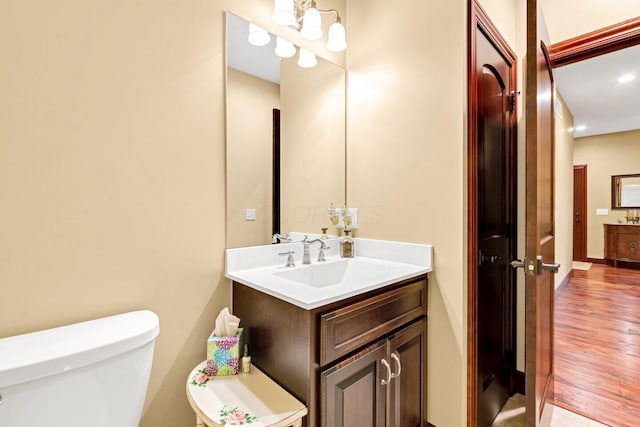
(596,98)
(243,56)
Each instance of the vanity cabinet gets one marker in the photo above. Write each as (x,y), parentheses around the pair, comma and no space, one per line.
(621,243)
(380,386)
(356,362)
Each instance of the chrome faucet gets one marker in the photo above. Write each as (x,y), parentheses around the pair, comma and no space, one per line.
(289,255)
(306,244)
(278,237)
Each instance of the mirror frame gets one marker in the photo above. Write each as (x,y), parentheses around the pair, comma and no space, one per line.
(616,191)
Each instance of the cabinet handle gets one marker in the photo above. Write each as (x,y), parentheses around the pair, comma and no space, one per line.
(386,365)
(397,360)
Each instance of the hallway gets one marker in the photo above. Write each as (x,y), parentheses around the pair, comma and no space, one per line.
(597,345)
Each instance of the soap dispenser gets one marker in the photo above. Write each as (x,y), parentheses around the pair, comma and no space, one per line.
(346,246)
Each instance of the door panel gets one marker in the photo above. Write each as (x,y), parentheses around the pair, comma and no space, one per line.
(495,228)
(492,219)
(351,391)
(408,390)
(540,240)
(579,213)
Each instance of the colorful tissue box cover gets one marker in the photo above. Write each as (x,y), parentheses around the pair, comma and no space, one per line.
(223,355)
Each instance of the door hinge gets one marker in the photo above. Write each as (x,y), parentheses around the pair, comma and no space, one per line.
(512,100)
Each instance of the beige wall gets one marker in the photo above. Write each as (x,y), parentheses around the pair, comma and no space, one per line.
(563,197)
(406,170)
(570,18)
(250,104)
(112,174)
(605,155)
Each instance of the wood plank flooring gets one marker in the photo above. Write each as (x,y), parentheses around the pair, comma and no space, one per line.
(597,345)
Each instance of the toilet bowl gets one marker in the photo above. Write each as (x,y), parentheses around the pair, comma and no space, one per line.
(93,373)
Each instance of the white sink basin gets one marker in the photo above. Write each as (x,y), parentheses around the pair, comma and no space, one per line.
(377,263)
(339,272)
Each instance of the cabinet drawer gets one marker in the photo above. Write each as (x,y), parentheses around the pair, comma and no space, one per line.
(348,328)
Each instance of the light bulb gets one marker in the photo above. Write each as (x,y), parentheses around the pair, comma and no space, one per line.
(258,36)
(284,48)
(307,59)
(311,24)
(337,39)
(283,12)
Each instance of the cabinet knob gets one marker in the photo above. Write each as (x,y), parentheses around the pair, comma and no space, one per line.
(386,365)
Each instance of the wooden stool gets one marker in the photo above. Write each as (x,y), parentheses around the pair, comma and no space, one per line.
(251,399)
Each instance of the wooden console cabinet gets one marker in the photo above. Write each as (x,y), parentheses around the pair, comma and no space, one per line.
(357,362)
(621,243)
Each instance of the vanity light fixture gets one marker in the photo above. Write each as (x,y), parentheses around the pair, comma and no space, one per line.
(307,59)
(304,16)
(258,36)
(284,48)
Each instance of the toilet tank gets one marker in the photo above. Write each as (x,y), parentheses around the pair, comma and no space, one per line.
(93,373)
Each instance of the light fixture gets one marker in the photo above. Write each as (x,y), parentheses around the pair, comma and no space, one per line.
(580,128)
(304,16)
(284,48)
(258,36)
(306,58)
(626,78)
(311,23)
(337,41)
(284,12)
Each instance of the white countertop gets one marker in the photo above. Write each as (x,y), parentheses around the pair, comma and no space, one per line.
(377,264)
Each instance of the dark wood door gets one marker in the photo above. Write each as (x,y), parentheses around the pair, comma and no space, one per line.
(352,393)
(579,213)
(540,228)
(408,388)
(496,220)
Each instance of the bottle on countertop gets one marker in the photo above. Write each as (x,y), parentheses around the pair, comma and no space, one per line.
(246,360)
(346,246)
(324,233)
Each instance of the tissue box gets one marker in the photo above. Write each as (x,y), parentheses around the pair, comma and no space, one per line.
(223,355)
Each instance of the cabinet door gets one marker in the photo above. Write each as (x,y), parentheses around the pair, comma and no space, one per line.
(352,393)
(628,247)
(407,357)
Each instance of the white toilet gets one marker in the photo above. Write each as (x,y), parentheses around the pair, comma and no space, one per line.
(93,373)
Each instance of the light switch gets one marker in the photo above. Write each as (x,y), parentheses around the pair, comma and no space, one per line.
(250,214)
(602,212)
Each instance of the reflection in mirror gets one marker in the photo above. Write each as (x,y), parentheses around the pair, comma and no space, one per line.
(625,191)
(310,136)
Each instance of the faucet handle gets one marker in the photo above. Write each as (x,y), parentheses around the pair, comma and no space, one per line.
(289,255)
(321,257)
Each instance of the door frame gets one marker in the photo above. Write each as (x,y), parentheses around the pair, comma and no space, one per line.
(478,19)
(598,42)
(604,40)
(582,248)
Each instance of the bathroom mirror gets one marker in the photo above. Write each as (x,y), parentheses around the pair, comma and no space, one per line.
(625,191)
(286,132)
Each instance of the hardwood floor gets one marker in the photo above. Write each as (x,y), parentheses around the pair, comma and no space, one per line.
(597,345)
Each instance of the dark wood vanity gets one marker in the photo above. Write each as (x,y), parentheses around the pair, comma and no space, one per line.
(356,362)
(622,243)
